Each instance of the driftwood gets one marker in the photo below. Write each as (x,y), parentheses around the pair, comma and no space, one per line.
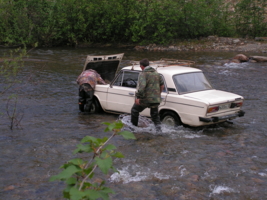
(258,58)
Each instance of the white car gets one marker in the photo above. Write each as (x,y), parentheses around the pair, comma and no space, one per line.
(187,99)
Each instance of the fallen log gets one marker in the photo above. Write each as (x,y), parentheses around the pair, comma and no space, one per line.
(258,58)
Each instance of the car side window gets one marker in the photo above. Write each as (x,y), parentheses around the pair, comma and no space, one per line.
(127,79)
(130,79)
(118,80)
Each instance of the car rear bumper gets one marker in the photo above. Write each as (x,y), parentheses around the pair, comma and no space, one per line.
(240,113)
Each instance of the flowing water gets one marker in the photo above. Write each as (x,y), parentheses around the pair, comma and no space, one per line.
(226,162)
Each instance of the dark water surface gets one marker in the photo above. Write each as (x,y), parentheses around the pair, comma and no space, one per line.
(228,162)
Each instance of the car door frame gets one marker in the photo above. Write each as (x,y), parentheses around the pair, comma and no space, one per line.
(120,98)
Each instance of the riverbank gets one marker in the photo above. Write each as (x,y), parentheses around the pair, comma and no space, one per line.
(211,43)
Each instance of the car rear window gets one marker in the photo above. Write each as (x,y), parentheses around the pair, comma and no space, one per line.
(191,82)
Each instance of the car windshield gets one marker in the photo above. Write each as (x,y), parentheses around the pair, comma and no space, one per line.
(191,82)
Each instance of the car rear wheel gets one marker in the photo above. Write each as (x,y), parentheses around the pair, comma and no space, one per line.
(171,119)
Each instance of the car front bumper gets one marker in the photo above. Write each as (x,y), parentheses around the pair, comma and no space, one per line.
(240,113)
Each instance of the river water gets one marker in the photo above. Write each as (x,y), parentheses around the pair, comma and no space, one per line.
(227,162)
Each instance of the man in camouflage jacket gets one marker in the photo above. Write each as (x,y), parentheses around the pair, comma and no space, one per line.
(148,95)
(87,81)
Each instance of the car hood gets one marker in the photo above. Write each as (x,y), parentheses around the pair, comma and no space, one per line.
(214,96)
(106,65)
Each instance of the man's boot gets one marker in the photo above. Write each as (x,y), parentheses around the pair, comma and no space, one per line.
(134,116)
(81,107)
(155,118)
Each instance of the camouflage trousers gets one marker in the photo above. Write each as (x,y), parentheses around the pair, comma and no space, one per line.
(154,113)
(86,94)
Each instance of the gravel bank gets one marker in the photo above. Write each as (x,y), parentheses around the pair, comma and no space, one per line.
(212,43)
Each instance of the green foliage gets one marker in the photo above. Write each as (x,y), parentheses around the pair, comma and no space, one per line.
(79,174)
(251,17)
(11,66)
(70,22)
(9,70)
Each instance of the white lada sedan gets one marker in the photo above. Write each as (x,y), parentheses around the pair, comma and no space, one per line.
(187,99)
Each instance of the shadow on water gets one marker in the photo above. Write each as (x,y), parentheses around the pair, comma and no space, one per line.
(226,162)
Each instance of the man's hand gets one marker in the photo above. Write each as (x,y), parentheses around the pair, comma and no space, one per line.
(137,101)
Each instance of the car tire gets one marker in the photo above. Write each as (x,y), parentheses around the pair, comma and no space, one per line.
(171,119)
(95,107)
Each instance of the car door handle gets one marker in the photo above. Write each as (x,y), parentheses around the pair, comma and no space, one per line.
(130,93)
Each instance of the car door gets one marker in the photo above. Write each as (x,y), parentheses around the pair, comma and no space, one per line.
(121,93)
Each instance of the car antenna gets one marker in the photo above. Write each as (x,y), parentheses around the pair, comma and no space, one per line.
(133,63)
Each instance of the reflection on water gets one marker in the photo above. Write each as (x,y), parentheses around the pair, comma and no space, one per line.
(223,162)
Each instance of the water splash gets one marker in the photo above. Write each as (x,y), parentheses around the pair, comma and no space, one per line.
(145,125)
(135,173)
(221,189)
(236,65)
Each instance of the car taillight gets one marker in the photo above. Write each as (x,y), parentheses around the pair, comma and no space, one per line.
(236,105)
(213,109)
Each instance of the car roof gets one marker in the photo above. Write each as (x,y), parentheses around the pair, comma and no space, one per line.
(168,69)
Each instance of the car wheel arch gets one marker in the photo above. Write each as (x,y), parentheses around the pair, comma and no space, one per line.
(170,117)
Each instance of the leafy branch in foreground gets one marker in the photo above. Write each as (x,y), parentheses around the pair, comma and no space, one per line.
(78,174)
(10,68)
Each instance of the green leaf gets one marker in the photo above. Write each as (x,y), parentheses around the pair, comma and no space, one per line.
(89,139)
(75,194)
(105,193)
(66,194)
(92,194)
(66,165)
(77,161)
(83,148)
(118,155)
(115,125)
(110,127)
(71,181)
(101,141)
(66,173)
(106,123)
(118,125)
(107,190)
(104,164)
(127,134)
(110,147)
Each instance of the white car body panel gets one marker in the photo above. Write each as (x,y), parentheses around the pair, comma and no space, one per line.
(213,96)
(120,99)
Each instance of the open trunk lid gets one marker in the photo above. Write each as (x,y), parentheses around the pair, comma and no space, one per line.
(106,65)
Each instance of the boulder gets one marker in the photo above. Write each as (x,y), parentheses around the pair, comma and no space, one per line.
(258,58)
(241,58)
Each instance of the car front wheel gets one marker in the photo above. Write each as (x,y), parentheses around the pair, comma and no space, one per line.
(171,119)
(95,107)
